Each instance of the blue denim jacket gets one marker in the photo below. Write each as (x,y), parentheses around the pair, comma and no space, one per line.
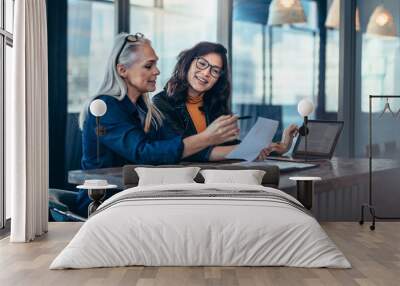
(125,141)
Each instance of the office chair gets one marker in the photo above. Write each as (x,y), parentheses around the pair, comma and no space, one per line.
(59,206)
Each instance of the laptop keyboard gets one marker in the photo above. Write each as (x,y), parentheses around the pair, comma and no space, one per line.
(289,165)
(284,166)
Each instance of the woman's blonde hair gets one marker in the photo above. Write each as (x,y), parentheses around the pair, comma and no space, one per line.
(114,85)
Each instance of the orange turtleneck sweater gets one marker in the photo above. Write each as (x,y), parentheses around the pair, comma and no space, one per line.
(198,117)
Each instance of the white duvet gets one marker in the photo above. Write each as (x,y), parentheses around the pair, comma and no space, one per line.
(219,231)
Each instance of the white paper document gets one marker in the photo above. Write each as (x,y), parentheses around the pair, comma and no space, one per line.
(259,137)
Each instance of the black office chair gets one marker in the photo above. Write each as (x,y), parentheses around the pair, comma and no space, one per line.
(62,202)
(70,205)
(59,206)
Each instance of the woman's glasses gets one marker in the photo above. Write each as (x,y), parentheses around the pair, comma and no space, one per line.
(202,64)
(130,39)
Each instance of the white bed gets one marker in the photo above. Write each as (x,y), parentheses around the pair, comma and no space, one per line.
(224,225)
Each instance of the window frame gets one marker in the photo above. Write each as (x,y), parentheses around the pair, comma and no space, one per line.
(6,39)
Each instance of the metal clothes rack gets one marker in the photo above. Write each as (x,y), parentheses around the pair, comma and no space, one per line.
(370,205)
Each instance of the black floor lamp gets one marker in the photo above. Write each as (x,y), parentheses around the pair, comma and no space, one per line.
(98,108)
(370,205)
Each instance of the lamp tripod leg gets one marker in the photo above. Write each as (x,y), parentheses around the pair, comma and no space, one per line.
(361,222)
(372,211)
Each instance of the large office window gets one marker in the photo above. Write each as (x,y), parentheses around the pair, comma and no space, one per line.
(172,26)
(6,43)
(379,60)
(273,66)
(332,71)
(380,67)
(90,37)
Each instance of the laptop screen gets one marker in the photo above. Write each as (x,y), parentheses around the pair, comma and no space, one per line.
(321,139)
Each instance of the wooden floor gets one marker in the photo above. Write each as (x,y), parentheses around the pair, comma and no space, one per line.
(375,257)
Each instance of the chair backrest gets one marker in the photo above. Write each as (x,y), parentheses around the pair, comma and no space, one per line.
(390,148)
(73,144)
(376,150)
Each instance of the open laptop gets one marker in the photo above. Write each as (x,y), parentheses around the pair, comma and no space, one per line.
(322,138)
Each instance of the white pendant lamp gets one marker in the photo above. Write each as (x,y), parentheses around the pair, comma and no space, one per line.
(286,12)
(98,108)
(305,107)
(333,18)
(381,23)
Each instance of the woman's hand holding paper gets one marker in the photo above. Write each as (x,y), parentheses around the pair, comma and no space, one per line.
(222,130)
(288,134)
(282,147)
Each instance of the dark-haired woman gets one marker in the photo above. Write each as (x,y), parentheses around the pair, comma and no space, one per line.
(198,93)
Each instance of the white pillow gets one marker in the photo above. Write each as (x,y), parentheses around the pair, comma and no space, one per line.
(166,176)
(248,177)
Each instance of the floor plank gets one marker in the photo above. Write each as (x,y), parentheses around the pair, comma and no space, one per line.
(375,257)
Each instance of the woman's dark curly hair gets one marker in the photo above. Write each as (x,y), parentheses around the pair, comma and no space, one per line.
(217,98)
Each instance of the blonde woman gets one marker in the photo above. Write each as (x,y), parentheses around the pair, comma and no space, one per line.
(134,127)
